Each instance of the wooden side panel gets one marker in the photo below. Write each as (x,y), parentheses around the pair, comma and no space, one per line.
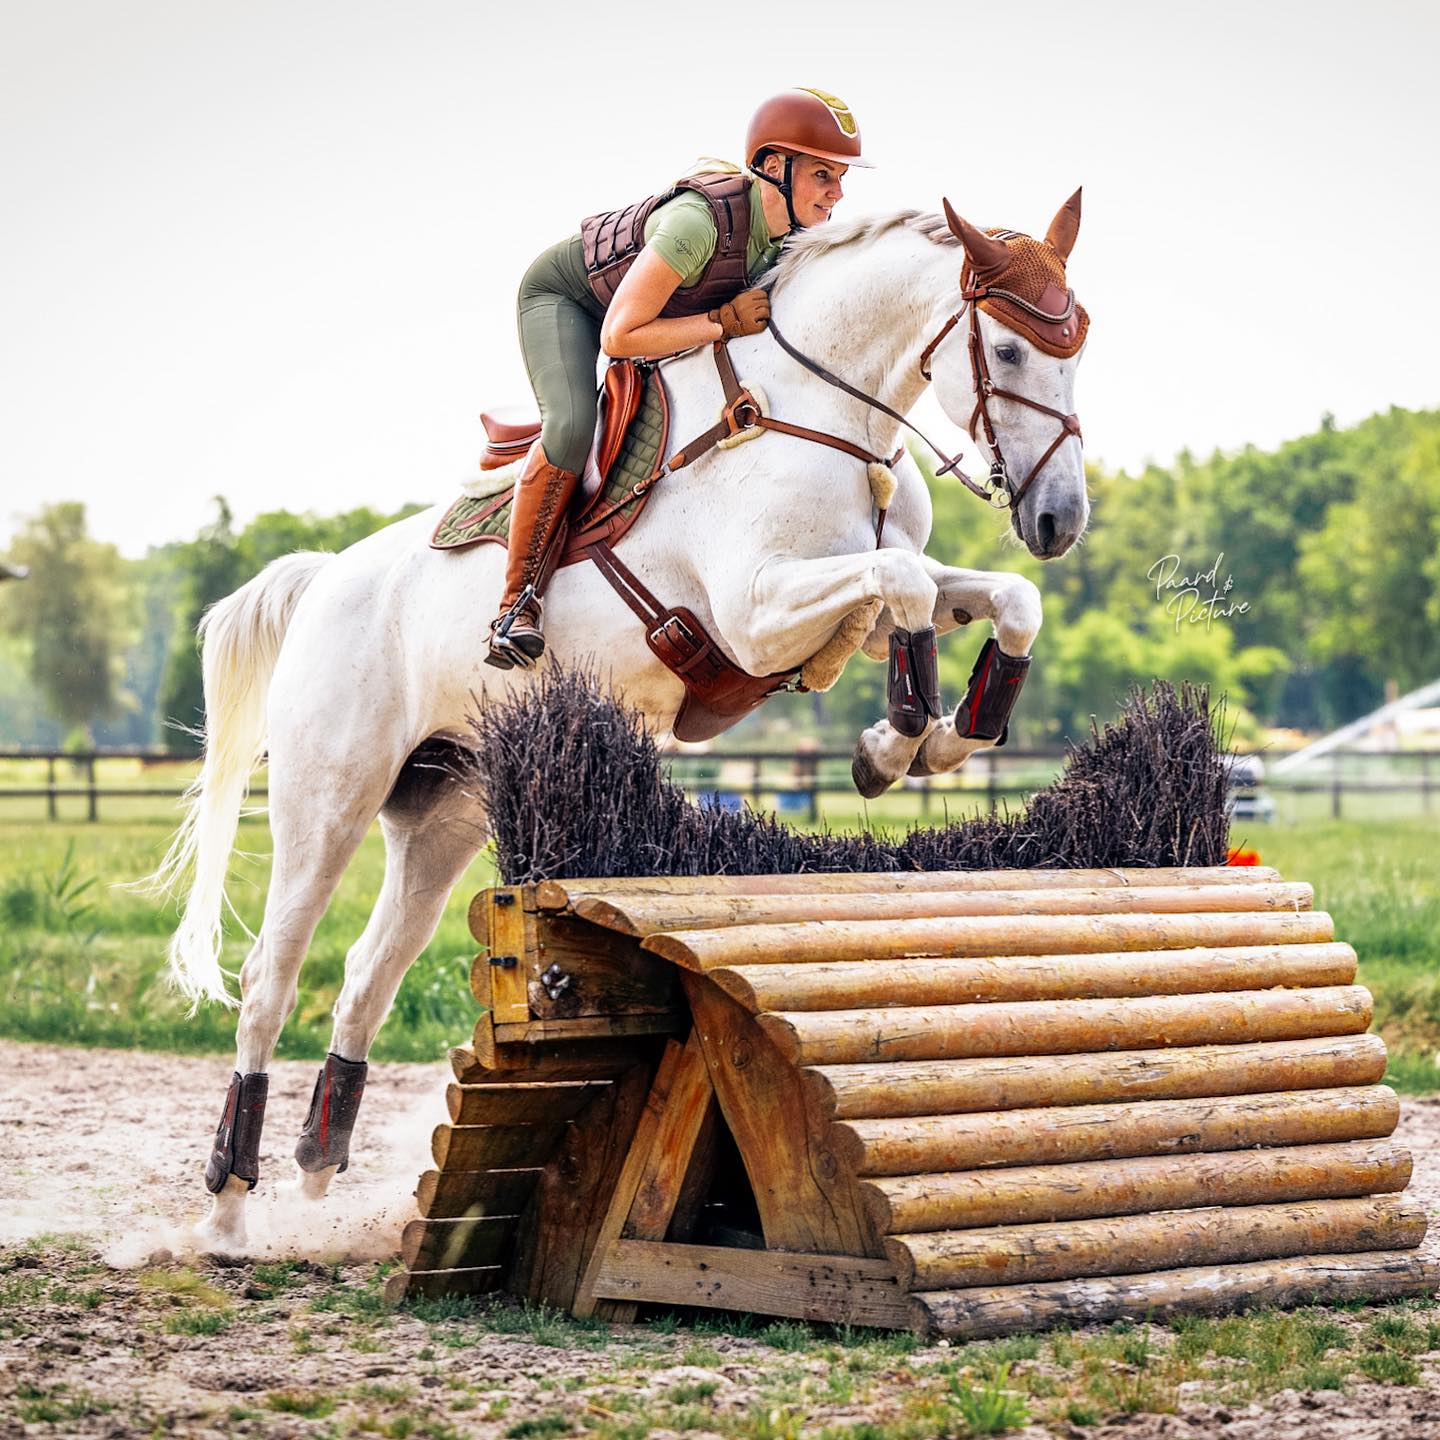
(574,1193)
(807,1200)
(501,921)
(460,1193)
(431,1284)
(608,974)
(984,1312)
(841,1289)
(457,1244)
(622,1197)
(492,1147)
(948,1087)
(521,1103)
(586,1058)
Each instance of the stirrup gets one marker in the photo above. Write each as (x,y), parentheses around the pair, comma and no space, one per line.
(505,653)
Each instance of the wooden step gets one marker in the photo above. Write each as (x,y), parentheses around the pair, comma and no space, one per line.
(938,1087)
(830,940)
(921,1145)
(1033,1194)
(861,984)
(1133,1244)
(1064,1027)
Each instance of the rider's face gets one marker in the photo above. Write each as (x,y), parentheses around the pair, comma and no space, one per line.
(815,185)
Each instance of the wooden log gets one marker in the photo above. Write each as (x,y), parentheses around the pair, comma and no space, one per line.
(431,1284)
(592,1027)
(840,1289)
(640,915)
(986,1312)
(807,1200)
(564,1059)
(454,1194)
(1033,1194)
(457,1244)
(523,1103)
(493,1147)
(934,1087)
(1133,1244)
(1062,1134)
(832,940)
(564,894)
(860,984)
(1068,1027)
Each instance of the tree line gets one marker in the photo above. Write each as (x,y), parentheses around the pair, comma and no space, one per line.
(1298,582)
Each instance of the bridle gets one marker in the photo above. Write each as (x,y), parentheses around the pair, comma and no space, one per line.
(742,412)
(998,482)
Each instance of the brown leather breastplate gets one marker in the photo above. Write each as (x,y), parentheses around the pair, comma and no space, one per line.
(611,241)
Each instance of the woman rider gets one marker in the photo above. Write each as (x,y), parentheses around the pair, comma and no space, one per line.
(671,273)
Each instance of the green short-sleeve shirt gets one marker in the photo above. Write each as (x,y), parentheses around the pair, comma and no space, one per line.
(684,235)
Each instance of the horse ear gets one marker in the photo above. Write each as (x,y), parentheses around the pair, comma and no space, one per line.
(1065,227)
(985,252)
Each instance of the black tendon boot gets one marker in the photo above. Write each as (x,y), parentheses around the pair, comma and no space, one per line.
(914,681)
(995,685)
(237,1141)
(325,1140)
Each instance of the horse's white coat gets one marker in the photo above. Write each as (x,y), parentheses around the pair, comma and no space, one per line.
(771,544)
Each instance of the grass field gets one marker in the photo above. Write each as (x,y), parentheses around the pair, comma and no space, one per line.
(82,958)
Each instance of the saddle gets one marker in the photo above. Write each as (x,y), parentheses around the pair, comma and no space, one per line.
(629,456)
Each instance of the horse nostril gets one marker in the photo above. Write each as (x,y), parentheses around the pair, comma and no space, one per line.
(1045,530)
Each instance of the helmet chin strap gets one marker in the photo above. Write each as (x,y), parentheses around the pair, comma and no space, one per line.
(785,188)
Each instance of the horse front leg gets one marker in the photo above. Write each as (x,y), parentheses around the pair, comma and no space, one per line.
(1012,605)
(798,607)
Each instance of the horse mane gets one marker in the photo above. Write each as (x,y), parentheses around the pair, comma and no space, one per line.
(820,240)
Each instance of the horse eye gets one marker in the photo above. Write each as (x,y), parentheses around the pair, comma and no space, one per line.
(1008,353)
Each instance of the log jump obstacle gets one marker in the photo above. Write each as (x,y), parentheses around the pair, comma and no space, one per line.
(966,1103)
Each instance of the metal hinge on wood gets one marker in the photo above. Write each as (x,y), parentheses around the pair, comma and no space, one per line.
(505,962)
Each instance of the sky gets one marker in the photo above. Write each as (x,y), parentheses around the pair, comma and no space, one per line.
(270,250)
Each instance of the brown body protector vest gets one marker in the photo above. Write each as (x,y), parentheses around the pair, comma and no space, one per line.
(611,241)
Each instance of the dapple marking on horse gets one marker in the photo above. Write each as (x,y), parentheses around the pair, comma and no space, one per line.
(339,667)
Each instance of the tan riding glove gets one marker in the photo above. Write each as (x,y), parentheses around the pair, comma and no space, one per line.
(747,314)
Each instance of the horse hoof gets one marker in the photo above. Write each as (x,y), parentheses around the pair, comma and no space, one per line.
(868,780)
(918,766)
(307,1184)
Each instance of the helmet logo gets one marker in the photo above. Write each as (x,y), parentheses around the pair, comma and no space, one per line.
(837,108)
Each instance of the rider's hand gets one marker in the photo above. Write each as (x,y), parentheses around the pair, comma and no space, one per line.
(747,314)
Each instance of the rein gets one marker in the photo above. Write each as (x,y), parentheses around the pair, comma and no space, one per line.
(742,412)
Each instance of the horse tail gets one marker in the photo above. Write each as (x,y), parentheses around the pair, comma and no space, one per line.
(241,636)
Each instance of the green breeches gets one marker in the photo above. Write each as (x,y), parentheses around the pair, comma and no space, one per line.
(560,341)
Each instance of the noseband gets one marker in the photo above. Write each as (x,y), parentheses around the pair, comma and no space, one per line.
(998,488)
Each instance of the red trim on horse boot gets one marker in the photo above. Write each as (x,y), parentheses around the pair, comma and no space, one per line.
(237,1139)
(913,691)
(335,1103)
(995,683)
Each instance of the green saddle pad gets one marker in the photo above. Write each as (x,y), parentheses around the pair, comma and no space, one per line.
(472,519)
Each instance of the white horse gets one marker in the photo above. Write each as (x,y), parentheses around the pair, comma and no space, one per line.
(340,666)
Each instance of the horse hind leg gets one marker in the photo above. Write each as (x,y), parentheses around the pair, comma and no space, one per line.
(315,838)
(432,832)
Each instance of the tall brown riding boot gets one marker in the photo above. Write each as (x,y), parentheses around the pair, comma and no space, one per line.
(537,520)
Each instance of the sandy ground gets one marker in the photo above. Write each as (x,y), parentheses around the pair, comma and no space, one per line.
(109,1146)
